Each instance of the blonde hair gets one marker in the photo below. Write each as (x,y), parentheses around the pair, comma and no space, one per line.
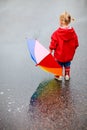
(66,18)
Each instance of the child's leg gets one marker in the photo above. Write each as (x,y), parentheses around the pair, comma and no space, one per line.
(67,70)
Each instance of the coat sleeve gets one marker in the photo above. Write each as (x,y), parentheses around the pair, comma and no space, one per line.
(53,42)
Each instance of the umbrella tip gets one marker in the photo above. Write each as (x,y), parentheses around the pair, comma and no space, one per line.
(35,38)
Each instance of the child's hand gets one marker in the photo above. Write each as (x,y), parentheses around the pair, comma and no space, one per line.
(50,50)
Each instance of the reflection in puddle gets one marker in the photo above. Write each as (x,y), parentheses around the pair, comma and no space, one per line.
(51,107)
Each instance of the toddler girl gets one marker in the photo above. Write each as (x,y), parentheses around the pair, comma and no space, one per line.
(64,42)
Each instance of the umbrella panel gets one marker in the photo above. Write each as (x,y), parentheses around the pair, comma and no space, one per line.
(49,62)
(55,71)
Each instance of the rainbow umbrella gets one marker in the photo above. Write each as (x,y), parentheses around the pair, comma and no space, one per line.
(43,58)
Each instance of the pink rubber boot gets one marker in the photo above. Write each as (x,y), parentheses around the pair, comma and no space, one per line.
(67,73)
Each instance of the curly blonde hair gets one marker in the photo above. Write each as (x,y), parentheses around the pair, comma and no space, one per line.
(66,18)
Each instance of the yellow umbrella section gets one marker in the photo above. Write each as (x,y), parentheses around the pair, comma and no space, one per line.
(55,71)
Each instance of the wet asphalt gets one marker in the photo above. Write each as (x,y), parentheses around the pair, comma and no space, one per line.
(31,99)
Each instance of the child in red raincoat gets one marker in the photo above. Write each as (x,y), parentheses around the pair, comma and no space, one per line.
(64,42)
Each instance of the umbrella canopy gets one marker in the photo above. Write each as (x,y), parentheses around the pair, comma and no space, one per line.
(43,58)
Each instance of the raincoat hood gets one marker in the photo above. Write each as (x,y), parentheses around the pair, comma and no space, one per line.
(66,34)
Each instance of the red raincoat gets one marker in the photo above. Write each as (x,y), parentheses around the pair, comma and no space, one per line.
(64,43)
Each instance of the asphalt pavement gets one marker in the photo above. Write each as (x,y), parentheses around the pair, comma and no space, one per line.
(31,99)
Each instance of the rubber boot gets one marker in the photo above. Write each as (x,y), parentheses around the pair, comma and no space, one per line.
(67,73)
